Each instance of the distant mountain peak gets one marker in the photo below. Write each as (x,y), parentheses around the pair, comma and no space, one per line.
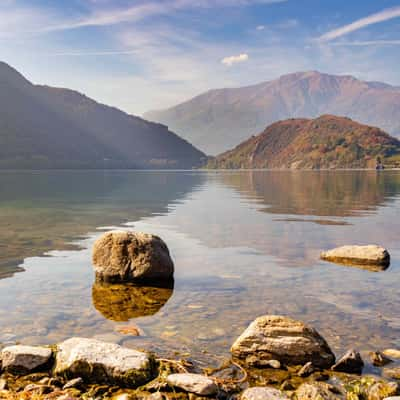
(219,119)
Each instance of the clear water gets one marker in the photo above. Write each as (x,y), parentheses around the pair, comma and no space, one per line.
(244,244)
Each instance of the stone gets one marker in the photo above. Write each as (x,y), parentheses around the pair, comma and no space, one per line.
(351,363)
(193,383)
(74,384)
(393,373)
(254,361)
(274,337)
(319,391)
(122,256)
(3,384)
(39,389)
(307,370)
(379,360)
(371,255)
(263,393)
(382,390)
(100,362)
(25,359)
(394,353)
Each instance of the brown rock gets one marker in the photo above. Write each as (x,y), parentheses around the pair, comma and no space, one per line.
(121,256)
(291,342)
(318,391)
(351,362)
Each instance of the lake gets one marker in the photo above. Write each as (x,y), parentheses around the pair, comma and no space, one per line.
(244,244)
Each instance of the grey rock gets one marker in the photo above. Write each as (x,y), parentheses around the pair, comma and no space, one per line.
(263,393)
(193,383)
(101,362)
(306,370)
(358,255)
(291,342)
(24,359)
(319,391)
(122,256)
(351,362)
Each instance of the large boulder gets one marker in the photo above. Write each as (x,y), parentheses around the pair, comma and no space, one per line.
(25,359)
(371,255)
(263,393)
(101,362)
(122,256)
(193,383)
(274,337)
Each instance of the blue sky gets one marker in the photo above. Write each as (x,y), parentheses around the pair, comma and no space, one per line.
(140,55)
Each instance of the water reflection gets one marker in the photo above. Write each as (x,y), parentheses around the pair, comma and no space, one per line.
(317,193)
(124,302)
(46,210)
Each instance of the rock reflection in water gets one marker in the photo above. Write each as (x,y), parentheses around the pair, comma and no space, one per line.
(124,302)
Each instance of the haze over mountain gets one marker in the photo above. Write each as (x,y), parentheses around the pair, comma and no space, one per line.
(325,142)
(45,127)
(220,119)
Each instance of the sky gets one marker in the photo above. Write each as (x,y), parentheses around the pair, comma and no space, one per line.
(142,55)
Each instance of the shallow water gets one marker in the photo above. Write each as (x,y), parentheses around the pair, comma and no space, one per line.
(244,244)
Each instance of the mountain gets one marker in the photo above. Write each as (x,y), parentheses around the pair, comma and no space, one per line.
(45,127)
(220,119)
(324,142)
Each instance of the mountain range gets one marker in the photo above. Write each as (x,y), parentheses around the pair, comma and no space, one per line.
(46,127)
(327,142)
(220,119)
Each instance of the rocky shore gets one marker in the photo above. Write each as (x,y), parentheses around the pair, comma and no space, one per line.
(275,358)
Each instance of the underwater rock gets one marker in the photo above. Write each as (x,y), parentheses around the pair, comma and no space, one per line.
(263,393)
(193,383)
(122,256)
(371,255)
(319,391)
(306,370)
(392,353)
(379,360)
(393,373)
(118,302)
(24,359)
(274,337)
(351,363)
(101,362)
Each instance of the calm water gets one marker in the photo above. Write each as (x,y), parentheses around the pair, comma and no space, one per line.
(244,244)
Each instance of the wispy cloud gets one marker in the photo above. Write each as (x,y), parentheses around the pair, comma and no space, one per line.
(229,61)
(113,16)
(381,16)
(369,43)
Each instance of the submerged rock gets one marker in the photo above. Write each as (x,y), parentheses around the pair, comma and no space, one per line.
(274,337)
(370,255)
(306,370)
(101,362)
(379,360)
(393,373)
(121,256)
(263,393)
(24,359)
(319,391)
(351,362)
(392,353)
(193,383)
(119,302)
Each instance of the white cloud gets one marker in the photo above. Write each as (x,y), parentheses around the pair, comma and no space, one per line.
(381,16)
(260,27)
(229,61)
